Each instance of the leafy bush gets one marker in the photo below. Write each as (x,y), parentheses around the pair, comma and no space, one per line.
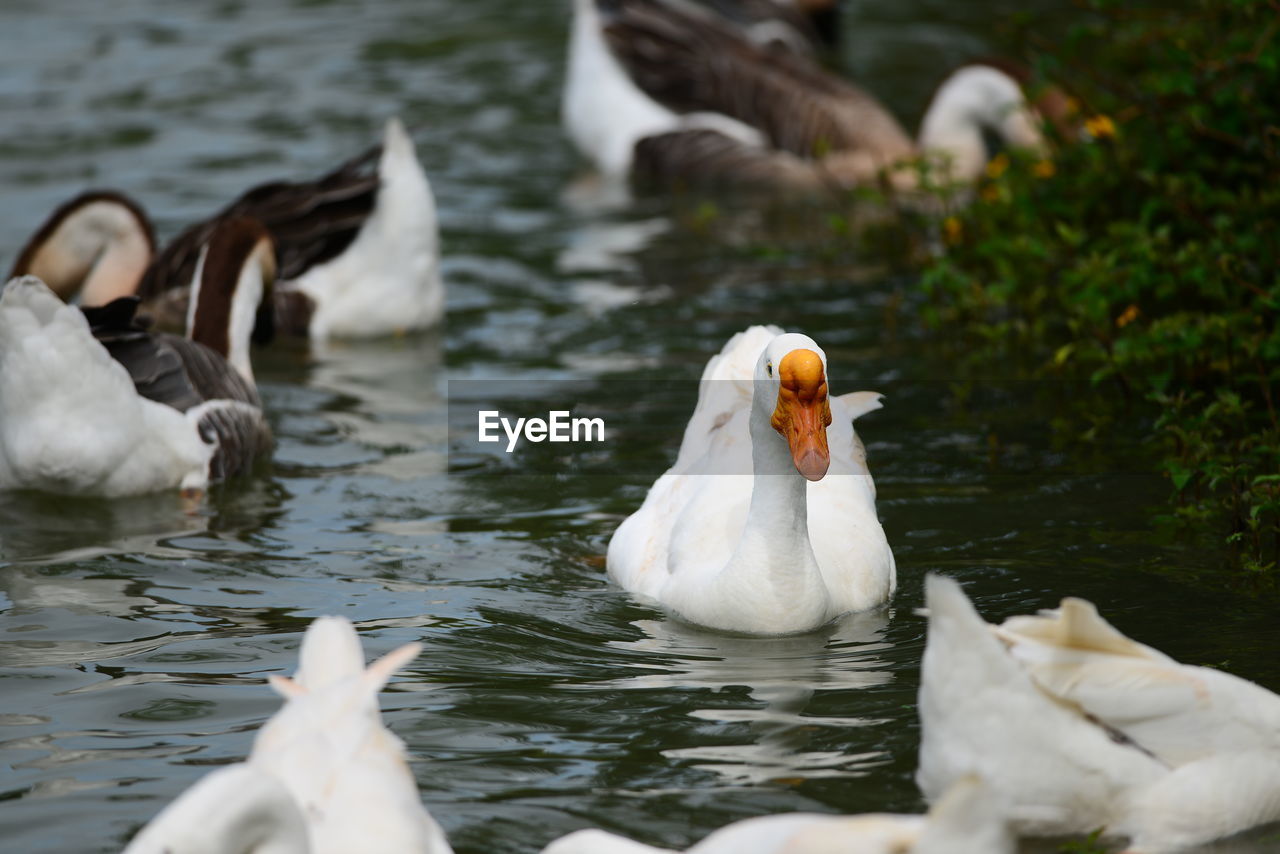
(1148,256)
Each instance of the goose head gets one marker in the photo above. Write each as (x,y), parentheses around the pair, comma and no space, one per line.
(982,98)
(96,246)
(791,392)
(230,289)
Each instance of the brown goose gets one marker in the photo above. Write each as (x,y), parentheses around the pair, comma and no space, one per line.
(663,91)
(358,248)
(91,403)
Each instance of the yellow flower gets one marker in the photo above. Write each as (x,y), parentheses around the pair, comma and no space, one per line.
(952,230)
(997,166)
(990,193)
(1044,169)
(1100,127)
(1129,315)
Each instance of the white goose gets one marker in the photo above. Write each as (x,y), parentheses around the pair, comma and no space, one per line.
(91,404)
(766,524)
(967,821)
(325,775)
(663,92)
(358,248)
(1078,728)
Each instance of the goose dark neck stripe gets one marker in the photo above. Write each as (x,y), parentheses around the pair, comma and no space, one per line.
(228,249)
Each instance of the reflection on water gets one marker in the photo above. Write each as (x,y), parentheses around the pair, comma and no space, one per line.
(608,245)
(781,675)
(593,194)
(32,590)
(389,398)
(50,529)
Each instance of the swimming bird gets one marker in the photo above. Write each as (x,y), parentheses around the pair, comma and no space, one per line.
(358,248)
(1078,728)
(93,404)
(766,523)
(325,776)
(967,821)
(661,91)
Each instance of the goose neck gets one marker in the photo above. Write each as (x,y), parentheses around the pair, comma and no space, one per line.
(773,570)
(230,283)
(779,495)
(950,132)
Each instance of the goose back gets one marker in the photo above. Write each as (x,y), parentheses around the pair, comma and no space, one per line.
(694,63)
(311,222)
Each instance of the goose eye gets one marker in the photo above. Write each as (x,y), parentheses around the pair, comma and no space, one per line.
(768,368)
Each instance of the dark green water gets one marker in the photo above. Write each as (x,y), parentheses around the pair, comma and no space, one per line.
(135,637)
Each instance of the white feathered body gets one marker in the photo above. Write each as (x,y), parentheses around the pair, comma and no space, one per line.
(348,773)
(691,522)
(1075,740)
(71,421)
(604,113)
(968,820)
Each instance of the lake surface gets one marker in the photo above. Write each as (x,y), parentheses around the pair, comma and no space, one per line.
(136,635)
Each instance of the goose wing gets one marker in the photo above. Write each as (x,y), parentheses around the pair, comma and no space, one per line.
(166,368)
(191,378)
(707,157)
(715,441)
(1179,712)
(310,222)
(724,391)
(694,63)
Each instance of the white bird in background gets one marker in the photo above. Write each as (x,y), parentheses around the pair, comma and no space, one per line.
(667,92)
(967,821)
(1078,728)
(324,777)
(766,523)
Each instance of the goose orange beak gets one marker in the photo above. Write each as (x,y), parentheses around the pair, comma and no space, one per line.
(803,413)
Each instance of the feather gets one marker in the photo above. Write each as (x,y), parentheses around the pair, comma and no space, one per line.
(693,63)
(311,222)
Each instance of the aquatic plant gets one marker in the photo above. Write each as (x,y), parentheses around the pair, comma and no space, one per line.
(1148,259)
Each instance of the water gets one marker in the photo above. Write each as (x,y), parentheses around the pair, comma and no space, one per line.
(135,635)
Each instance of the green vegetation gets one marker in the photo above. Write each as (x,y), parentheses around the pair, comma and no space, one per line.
(1149,258)
(1092,844)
